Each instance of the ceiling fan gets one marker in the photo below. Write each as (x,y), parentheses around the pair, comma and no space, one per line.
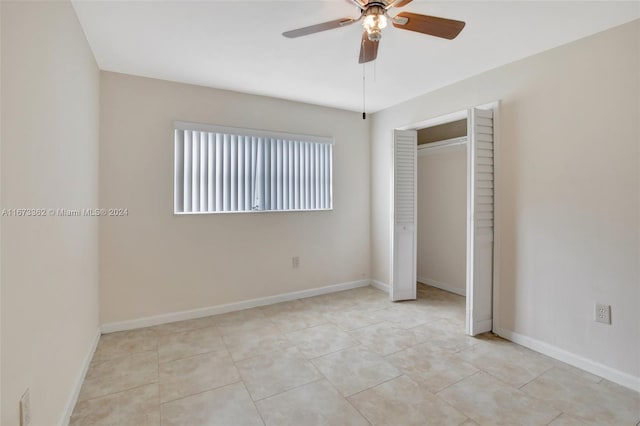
(375,17)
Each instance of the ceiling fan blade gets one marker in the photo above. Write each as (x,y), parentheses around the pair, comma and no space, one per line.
(319,27)
(368,49)
(431,25)
(398,3)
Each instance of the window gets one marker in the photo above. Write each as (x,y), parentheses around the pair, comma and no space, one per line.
(225,170)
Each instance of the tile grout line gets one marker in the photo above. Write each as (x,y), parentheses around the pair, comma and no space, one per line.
(334,352)
(287,390)
(555,418)
(303,328)
(199,392)
(292,345)
(120,391)
(535,378)
(463,412)
(364,326)
(464,378)
(118,357)
(376,385)
(235,366)
(245,385)
(194,356)
(253,402)
(350,403)
(440,398)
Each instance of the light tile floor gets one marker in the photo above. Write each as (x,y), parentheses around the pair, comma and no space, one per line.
(348,358)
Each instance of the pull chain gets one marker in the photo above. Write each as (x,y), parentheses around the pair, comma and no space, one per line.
(364,114)
(375,71)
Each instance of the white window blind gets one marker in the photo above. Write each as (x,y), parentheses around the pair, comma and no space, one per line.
(223,170)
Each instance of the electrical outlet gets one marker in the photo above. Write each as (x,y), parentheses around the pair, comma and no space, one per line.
(603,313)
(295,262)
(25,409)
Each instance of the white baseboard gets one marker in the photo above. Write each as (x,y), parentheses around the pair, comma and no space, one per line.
(229,307)
(443,286)
(616,376)
(380,285)
(73,398)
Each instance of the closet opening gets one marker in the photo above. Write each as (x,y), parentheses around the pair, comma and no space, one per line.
(441,195)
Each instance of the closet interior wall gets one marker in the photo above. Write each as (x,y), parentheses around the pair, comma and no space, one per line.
(442,209)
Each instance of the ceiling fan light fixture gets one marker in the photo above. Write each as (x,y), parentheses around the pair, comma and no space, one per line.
(374,21)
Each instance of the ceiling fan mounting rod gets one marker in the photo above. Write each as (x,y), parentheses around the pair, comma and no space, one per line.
(376,5)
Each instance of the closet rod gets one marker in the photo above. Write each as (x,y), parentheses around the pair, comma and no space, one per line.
(441,144)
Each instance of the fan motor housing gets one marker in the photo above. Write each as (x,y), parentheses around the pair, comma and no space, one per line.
(374,8)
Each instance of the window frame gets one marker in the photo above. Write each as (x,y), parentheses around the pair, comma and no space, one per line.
(246,132)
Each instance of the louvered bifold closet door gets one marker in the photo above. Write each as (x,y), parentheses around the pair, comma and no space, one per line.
(481,216)
(403,285)
(219,172)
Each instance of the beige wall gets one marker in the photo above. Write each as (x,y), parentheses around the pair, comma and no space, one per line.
(569,206)
(50,89)
(153,262)
(442,218)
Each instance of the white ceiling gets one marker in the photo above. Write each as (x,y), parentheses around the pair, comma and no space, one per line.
(237,45)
